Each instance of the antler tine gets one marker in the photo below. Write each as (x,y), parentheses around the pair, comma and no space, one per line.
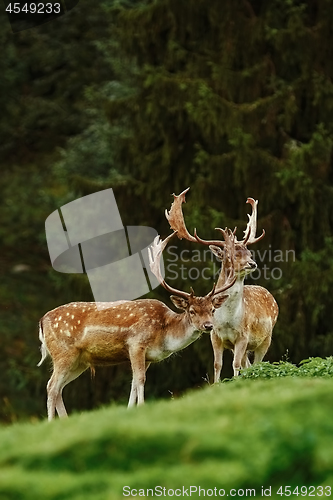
(247,235)
(251,228)
(175,217)
(229,237)
(229,240)
(218,243)
(154,254)
(231,280)
(212,292)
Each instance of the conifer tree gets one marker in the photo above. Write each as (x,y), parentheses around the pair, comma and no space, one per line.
(235,99)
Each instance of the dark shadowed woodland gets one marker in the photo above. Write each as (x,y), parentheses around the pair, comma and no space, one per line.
(234,99)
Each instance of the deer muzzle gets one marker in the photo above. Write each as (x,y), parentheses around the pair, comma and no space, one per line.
(208,326)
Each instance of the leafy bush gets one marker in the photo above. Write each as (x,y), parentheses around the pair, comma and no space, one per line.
(311,367)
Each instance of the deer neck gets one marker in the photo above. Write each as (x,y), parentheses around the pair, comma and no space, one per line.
(181,332)
(237,288)
(176,334)
(232,310)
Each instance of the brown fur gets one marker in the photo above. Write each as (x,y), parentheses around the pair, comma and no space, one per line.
(79,336)
(246,320)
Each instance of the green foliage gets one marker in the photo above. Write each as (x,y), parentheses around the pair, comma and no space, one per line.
(242,436)
(312,367)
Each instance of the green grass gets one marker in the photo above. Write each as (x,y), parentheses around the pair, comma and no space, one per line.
(244,434)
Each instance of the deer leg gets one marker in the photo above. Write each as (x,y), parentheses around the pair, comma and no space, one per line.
(60,407)
(260,352)
(54,390)
(61,376)
(245,361)
(52,394)
(138,364)
(133,394)
(239,353)
(217,345)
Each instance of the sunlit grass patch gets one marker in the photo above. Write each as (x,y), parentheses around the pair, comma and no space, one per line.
(244,434)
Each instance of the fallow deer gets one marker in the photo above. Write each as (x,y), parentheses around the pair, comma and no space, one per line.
(245,321)
(78,335)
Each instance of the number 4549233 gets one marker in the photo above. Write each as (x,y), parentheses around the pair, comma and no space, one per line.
(305,491)
(34,8)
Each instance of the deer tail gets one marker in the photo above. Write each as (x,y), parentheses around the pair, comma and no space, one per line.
(43,347)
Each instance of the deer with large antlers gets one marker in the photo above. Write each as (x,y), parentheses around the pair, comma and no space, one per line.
(245,321)
(79,336)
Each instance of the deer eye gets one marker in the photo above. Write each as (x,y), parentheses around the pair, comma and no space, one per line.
(192,313)
(213,310)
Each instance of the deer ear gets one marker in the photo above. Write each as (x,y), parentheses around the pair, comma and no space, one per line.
(179,302)
(217,251)
(218,300)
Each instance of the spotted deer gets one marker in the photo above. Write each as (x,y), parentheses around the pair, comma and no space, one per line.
(79,336)
(245,321)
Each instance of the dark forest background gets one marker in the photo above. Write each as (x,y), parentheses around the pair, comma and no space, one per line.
(232,98)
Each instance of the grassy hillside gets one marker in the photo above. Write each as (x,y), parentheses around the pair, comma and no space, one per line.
(246,434)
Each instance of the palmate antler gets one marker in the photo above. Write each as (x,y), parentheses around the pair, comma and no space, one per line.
(176,220)
(251,228)
(176,217)
(177,223)
(155,252)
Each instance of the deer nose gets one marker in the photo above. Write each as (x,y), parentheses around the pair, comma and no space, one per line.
(252,264)
(208,326)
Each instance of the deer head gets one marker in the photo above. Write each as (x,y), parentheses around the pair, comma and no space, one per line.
(243,262)
(200,310)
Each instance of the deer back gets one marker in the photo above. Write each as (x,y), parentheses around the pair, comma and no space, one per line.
(260,314)
(105,336)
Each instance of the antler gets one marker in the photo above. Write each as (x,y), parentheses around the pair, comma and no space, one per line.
(177,223)
(251,228)
(229,249)
(231,280)
(218,243)
(154,253)
(176,217)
